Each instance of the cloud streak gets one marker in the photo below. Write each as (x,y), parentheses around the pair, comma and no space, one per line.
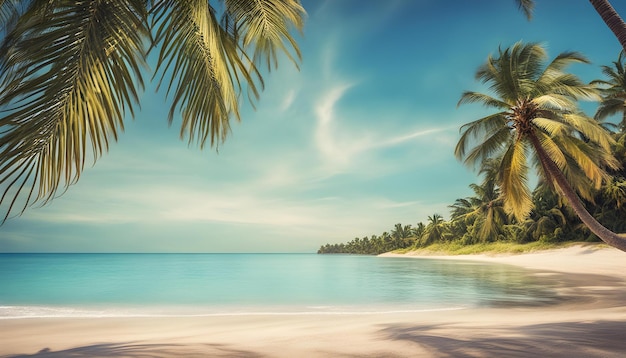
(341,147)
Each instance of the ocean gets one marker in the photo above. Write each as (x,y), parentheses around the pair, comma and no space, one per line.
(114,285)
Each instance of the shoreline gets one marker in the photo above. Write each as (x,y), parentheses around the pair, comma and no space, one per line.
(589,322)
(587,258)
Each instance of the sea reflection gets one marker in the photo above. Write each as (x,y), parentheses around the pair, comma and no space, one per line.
(468,283)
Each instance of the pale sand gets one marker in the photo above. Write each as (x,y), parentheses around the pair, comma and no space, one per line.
(591,322)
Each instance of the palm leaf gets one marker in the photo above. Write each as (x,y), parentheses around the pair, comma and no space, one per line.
(551,147)
(79,69)
(203,63)
(207,63)
(590,129)
(486,100)
(609,107)
(588,159)
(9,9)
(527,7)
(477,130)
(551,126)
(555,102)
(266,26)
(514,181)
(492,145)
(564,59)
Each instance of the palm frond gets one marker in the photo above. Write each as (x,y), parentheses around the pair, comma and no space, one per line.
(609,107)
(205,69)
(589,159)
(79,71)
(550,126)
(557,102)
(266,25)
(492,145)
(486,100)
(514,181)
(207,61)
(578,180)
(590,129)
(527,7)
(477,130)
(9,9)
(564,59)
(551,147)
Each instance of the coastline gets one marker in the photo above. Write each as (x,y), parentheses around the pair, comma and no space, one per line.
(583,258)
(589,322)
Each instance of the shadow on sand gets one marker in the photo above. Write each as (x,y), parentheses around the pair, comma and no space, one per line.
(136,350)
(569,339)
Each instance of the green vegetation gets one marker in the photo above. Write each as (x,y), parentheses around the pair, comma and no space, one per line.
(70,71)
(573,154)
(490,248)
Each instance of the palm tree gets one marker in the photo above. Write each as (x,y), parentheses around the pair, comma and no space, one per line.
(435,230)
(387,241)
(490,210)
(612,19)
(614,93)
(538,115)
(549,218)
(402,235)
(483,214)
(70,72)
(418,230)
(603,7)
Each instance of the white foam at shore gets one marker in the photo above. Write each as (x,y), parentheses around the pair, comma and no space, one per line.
(25,312)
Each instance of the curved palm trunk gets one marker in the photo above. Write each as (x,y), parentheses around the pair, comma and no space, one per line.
(606,235)
(612,19)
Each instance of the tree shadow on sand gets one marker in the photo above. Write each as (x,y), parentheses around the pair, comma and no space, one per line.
(136,350)
(568,339)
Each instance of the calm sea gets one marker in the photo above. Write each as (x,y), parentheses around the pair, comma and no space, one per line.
(99,285)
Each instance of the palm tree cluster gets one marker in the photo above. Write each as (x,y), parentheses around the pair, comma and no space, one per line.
(402,236)
(579,161)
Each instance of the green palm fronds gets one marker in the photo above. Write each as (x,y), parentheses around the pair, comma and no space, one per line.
(72,71)
(205,63)
(613,91)
(536,104)
(527,7)
(267,26)
(68,78)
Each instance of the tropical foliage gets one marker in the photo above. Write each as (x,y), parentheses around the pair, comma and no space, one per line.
(71,72)
(538,122)
(485,217)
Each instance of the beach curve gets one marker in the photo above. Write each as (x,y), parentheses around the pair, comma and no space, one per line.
(590,323)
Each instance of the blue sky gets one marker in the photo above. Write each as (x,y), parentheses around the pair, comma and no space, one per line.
(361,138)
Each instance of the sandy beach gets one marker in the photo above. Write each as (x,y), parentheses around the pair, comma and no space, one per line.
(590,321)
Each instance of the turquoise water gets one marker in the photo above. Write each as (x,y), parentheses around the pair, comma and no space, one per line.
(36,285)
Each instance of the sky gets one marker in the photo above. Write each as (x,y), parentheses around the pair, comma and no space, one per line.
(360,138)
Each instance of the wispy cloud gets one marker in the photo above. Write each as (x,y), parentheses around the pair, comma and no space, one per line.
(288,100)
(342,147)
(176,206)
(329,154)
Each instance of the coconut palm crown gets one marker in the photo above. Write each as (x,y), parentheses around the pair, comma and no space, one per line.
(537,123)
(72,71)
